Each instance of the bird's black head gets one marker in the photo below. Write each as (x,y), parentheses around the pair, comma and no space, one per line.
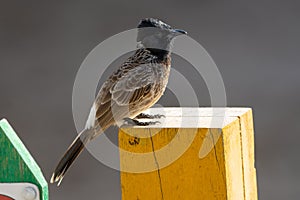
(155,34)
(150,22)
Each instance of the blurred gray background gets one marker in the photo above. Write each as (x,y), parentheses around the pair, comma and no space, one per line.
(254,43)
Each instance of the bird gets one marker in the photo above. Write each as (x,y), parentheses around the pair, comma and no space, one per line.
(134,87)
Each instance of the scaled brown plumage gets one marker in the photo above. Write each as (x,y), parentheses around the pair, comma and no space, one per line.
(134,87)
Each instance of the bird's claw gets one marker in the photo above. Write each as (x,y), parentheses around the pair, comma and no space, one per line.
(148,116)
(134,122)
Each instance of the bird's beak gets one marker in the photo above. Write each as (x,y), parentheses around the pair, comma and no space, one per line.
(179,32)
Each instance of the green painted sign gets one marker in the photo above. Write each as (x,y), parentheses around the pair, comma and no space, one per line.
(16,163)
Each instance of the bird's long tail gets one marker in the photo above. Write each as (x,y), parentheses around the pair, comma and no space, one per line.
(69,157)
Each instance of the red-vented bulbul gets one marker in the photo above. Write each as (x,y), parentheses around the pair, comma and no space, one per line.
(134,87)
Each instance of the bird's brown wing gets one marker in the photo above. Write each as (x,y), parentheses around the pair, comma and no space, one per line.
(134,85)
(121,96)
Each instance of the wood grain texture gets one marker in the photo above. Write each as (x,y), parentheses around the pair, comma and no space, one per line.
(164,161)
(16,163)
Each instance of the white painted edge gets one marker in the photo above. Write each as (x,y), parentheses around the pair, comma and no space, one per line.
(188,117)
(201,112)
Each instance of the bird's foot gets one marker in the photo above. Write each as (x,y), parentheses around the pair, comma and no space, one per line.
(147,116)
(134,122)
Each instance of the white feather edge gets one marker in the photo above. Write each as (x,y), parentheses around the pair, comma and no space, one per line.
(90,122)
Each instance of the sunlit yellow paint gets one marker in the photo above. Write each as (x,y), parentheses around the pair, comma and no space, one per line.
(226,172)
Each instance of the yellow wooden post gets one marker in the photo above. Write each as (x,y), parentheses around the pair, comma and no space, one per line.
(195,153)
